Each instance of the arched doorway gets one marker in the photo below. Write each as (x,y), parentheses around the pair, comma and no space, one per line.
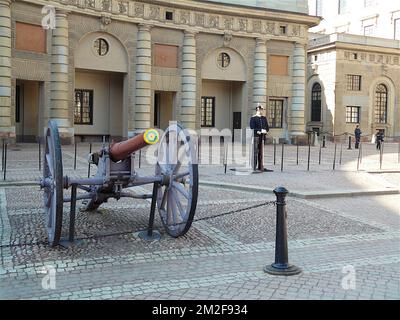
(223,94)
(101,68)
(316,102)
(382,114)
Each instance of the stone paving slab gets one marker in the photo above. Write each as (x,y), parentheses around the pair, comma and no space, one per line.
(300,287)
(149,278)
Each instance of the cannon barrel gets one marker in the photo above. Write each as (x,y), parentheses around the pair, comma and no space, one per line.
(120,151)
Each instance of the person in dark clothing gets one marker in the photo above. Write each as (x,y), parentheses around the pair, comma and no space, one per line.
(259,124)
(379,139)
(357,133)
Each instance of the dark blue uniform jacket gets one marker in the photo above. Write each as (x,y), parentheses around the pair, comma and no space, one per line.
(258,124)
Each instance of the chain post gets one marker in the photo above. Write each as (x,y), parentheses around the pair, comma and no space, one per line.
(281,266)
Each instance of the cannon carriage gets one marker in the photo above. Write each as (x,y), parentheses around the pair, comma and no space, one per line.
(175,182)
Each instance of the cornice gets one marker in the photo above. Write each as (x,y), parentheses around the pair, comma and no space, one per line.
(356,47)
(197,16)
(238,10)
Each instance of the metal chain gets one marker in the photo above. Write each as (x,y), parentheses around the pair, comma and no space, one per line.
(268,203)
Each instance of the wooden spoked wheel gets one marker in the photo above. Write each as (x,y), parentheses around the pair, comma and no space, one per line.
(177,163)
(53,184)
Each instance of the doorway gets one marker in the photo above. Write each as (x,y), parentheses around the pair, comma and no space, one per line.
(237,125)
(98,105)
(28,95)
(163,112)
(228,104)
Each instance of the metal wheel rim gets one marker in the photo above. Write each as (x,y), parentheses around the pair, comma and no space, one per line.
(53,192)
(177,201)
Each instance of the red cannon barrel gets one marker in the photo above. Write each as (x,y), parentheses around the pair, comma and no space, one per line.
(120,151)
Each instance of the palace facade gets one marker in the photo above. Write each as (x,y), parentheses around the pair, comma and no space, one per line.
(353,80)
(354,68)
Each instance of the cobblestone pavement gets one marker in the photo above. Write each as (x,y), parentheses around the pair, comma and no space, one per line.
(348,248)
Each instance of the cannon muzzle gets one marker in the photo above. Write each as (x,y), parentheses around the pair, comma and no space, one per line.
(120,151)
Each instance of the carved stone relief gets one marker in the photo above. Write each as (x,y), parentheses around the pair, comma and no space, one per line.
(270,27)
(199,19)
(228,23)
(227,39)
(184,17)
(154,13)
(106,5)
(90,3)
(242,24)
(104,22)
(139,10)
(122,7)
(296,31)
(257,26)
(213,21)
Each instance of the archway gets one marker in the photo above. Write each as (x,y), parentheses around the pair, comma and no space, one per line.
(319,117)
(316,102)
(381,113)
(224,91)
(101,68)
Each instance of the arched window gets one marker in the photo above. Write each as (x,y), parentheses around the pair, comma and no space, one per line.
(381,98)
(316,103)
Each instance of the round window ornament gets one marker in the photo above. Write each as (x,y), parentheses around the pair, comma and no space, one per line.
(224,60)
(101,47)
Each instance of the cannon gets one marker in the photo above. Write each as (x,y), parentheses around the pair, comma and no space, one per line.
(175,182)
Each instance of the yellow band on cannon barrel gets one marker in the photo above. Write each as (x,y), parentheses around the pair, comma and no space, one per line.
(151,136)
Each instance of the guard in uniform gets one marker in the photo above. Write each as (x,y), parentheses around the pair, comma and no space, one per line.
(259,124)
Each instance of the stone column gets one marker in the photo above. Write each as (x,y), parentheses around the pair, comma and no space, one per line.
(189,81)
(59,87)
(297,122)
(6,128)
(260,74)
(143,79)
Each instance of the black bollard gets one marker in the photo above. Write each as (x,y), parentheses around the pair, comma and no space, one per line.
(297,158)
(90,151)
(5,161)
(349,148)
(75,154)
(281,267)
(323,142)
(380,158)
(140,158)
(2,156)
(72,214)
(309,155)
(334,158)
(320,154)
(40,155)
(359,157)
(225,156)
(198,150)
(274,152)
(283,149)
(341,153)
